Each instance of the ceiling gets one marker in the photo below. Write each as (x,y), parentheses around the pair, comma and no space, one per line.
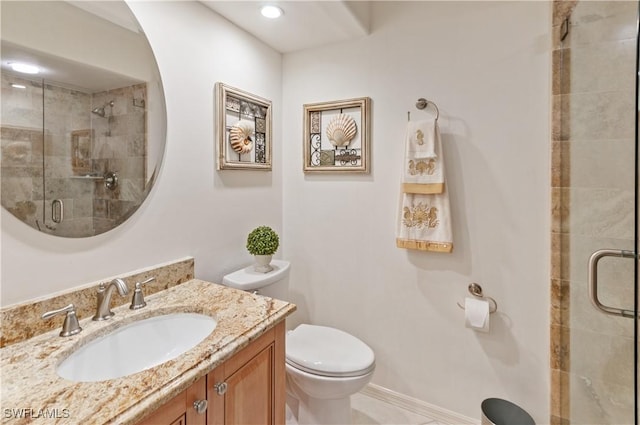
(115,12)
(305,24)
(66,72)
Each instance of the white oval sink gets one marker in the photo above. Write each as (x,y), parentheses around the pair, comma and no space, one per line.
(136,347)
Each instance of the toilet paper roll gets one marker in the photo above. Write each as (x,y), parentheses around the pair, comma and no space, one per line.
(476,314)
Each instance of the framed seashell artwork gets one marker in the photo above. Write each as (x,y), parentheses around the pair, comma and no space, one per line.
(243,129)
(336,136)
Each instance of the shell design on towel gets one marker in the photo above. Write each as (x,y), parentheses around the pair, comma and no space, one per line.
(422,215)
(422,167)
(341,130)
(240,137)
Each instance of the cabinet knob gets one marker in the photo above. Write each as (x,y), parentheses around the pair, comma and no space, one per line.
(200,406)
(221,388)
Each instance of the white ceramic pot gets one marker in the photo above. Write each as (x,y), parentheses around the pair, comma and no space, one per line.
(262,264)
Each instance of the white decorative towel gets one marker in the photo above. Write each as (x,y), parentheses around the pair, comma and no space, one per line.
(423,165)
(424,216)
(424,222)
(421,138)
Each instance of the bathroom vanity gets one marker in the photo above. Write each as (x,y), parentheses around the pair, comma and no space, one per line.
(249,388)
(235,375)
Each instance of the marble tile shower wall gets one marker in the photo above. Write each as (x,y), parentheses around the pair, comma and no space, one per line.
(76,144)
(120,144)
(593,153)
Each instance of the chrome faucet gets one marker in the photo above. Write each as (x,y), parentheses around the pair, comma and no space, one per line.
(103,311)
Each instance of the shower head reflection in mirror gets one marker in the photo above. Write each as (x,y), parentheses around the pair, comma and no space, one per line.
(100,110)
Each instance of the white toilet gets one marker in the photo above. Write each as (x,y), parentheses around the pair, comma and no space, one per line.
(324,365)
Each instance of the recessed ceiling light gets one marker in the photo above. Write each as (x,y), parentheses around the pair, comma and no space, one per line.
(18,86)
(271,12)
(24,68)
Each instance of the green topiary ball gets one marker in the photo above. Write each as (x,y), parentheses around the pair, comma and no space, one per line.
(262,241)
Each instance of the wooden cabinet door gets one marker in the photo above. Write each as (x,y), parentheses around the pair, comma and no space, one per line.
(196,392)
(171,413)
(182,420)
(180,409)
(254,384)
(249,397)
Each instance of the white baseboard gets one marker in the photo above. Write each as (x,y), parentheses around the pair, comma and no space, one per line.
(443,416)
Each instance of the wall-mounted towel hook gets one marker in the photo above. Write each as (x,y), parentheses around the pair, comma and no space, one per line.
(476,291)
(421,104)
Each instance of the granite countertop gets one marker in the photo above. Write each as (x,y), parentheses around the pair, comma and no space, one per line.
(32,389)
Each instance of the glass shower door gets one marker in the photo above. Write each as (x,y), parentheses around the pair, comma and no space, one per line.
(595,142)
(68,190)
(21,115)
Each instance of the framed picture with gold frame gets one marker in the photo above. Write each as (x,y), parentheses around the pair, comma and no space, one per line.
(243,123)
(336,136)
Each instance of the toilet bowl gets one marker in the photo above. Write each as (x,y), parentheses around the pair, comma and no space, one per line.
(324,365)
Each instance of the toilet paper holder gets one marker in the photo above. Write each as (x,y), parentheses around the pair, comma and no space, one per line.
(476,291)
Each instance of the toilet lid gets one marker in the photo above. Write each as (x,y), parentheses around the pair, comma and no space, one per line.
(325,351)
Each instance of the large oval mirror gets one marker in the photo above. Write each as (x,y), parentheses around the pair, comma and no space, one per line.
(83,117)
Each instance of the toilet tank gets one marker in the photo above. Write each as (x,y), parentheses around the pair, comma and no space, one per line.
(274,284)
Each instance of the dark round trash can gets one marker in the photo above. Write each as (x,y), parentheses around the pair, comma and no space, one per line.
(496,411)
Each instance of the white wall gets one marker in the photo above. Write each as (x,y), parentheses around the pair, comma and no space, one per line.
(487,66)
(192,210)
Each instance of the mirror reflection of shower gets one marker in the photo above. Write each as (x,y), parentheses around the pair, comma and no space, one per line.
(101,112)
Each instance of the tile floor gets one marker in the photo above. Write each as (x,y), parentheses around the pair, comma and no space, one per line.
(367,410)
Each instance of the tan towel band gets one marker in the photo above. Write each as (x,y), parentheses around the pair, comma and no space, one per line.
(423,188)
(424,245)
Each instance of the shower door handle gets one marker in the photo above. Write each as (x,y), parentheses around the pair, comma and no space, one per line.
(57,211)
(593,281)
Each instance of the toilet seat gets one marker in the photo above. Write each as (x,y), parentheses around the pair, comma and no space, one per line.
(325,351)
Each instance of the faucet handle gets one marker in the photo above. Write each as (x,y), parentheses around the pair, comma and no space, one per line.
(137,301)
(70,325)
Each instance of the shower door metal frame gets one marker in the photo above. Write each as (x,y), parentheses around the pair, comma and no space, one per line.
(636,218)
